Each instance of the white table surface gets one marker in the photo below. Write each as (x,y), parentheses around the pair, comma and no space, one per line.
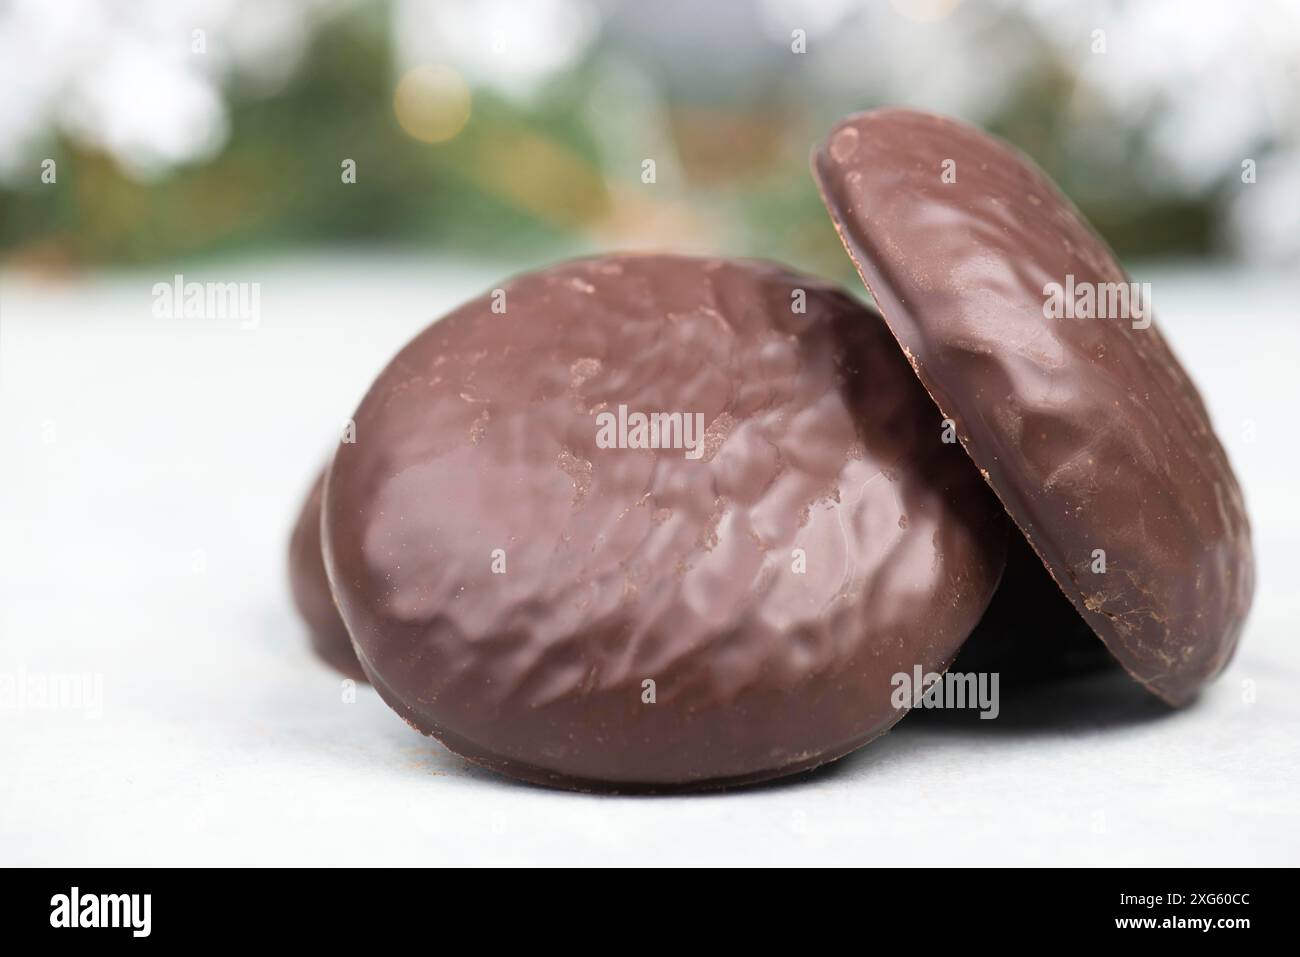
(149,475)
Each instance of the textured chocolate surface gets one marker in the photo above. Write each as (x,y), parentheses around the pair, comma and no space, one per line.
(311,590)
(1089,430)
(478,445)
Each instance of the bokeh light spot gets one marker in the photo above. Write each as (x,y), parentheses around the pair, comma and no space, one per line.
(432,103)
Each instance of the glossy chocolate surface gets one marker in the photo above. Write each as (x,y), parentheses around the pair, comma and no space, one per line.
(311,590)
(635,618)
(1089,430)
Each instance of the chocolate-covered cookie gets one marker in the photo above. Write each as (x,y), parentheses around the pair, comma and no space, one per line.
(311,589)
(654,522)
(1027,332)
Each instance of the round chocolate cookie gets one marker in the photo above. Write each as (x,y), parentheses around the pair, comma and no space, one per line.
(655,522)
(311,589)
(1026,331)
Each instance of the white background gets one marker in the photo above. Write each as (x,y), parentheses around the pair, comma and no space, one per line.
(151,471)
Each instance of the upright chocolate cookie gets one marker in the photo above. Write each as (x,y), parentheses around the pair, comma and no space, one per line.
(1021,324)
(653,522)
(311,589)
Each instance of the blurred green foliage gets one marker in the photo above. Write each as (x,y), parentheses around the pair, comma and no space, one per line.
(517,181)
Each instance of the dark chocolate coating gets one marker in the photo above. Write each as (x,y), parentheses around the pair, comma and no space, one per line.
(628,565)
(1089,430)
(311,589)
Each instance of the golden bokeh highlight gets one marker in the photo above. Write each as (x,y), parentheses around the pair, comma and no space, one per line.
(534,172)
(432,103)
